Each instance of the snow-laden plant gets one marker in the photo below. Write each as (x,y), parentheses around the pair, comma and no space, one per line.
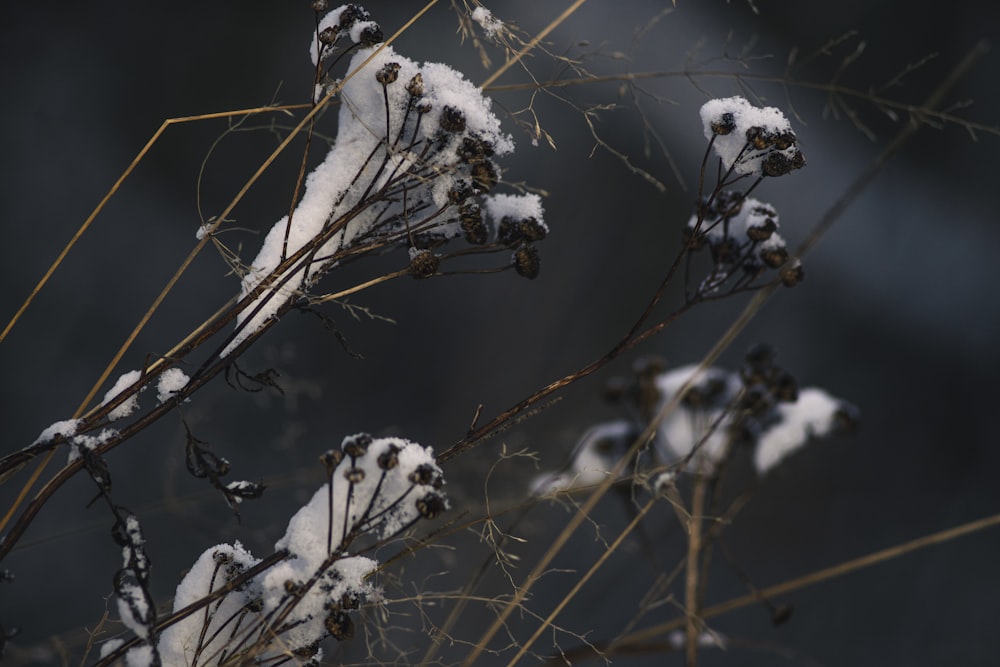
(376,489)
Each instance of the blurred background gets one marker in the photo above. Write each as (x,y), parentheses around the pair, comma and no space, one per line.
(898,312)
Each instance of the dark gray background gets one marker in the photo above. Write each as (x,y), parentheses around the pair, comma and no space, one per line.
(898,313)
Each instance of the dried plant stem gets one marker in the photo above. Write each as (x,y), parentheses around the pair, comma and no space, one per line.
(583,580)
(692,611)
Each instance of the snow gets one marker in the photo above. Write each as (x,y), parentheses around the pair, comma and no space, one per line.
(169,383)
(596,453)
(89,442)
(684,428)
(732,122)
(813,415)
(125,381)
(515,207)
(489,23)
(65,428)
(378,490)
(423,156)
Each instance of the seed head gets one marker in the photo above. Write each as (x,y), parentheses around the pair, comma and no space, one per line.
(527,262)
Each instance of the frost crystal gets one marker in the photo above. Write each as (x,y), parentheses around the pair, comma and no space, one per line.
(414,143)
(132,404)
(749,139)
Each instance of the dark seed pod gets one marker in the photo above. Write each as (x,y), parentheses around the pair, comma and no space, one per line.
(339,625)
(356,445)
(759,138)
(473,226)
(784,140)
(761,231)
(222,558)
(389,459)
(388,73)
(354,475)
(784,387)
(484,176)
(306,652)
(431,506)
(776,164)
(424,475)
(424,264)
(452,119)
(328,35)
(473,150)
(509,232)
(371,35)
(320,5)
(460,192)
(725,124)
(415,87)
(351,14)
(774,257)
(725,251)
(292,587)
(527,262)
(423,106)
(255,605)
(532,230)
(330,459)
(792,275)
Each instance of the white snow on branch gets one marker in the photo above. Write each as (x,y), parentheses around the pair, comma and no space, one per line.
(598,451)
(65,428)
(169,383)
(814,415)
(490,24)
(129,406)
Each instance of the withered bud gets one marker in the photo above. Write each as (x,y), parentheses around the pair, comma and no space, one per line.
(776,164)
(222,558)
(759,138)
(724,250)
(320,5)
(774,257)
(307,651)
(389,459)
(328,35)
(371,35)
(784,387)
(431,506)
(473,226)
(792,275)
(424,264)
(356,445)
(473,150)
(460,192)
(351,14)
(484,176)
(452,119)
(784,140)
(532,230)
(339,625)
(423,474)
(762,231)
(527,263)
(415,87)
(724,124)
(354,475)
(330,459)
(423,106)
(388,73)
(292,587)
(509,232)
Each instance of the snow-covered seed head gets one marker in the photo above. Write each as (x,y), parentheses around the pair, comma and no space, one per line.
(424,264)
(320,5)
(388,73)
(473,150)
(509,232)
(792,275)
(452,119)
(356,445)
(527,263)
(761,230)
(371,35)
(424,475)
(222,557)
(431,506)
(415,86)
(339,625)
(725,124)
(389,459)
(459,192)
(328,35)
